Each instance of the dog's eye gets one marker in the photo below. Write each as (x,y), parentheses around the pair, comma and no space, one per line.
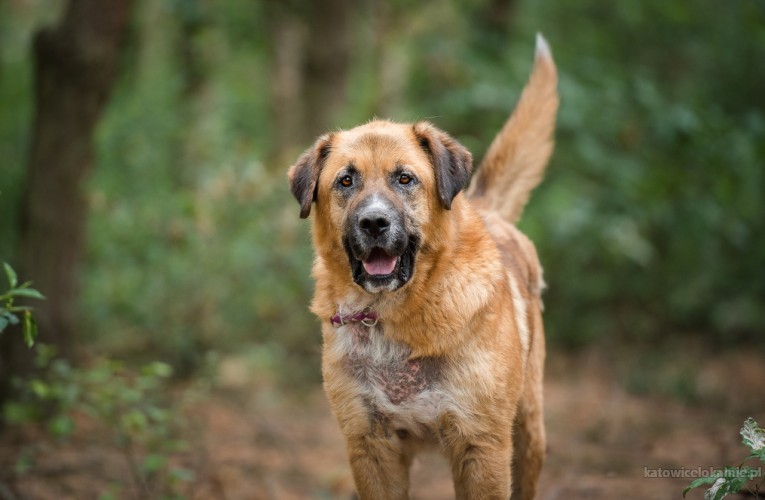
(346,181)
(404,179)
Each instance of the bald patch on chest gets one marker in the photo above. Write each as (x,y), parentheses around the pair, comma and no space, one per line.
(383,365)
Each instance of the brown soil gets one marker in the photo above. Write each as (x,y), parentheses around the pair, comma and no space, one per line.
(250,441)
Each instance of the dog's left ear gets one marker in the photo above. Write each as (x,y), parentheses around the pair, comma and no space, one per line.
(304,175)
(451,161)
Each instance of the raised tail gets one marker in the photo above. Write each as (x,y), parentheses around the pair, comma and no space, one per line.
(515,162)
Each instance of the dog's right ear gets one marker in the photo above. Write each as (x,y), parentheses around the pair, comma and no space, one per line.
(304,175)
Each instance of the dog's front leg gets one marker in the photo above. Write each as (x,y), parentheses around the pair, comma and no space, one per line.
(380,468)
(480,461)
(481,472)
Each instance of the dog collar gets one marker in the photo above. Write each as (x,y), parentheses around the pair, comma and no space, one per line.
(367,318)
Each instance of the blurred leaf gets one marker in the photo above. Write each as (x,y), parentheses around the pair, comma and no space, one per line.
(732,480)
(157,414)
(152,463)
(183,475)
(10,317)
(40,388)
(753,436)
(16,412)
(157,369)
(44,354)
(26,292)
(11,274)
(30,329)
(134,421)
(700,482)
(21,309)
(177,445)
(719,489)
(61,426)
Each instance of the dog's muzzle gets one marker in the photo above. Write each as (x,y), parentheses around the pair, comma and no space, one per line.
(380,249)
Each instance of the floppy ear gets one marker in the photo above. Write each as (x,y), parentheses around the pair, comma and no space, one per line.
(304,174)
(451,161)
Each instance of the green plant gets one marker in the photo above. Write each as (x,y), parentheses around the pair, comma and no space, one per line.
(130,405)
(734,479)
(9,313)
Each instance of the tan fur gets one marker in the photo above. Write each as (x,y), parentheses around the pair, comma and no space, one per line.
(515,162)
(471,313)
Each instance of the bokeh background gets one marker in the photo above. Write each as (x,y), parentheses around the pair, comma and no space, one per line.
(649,223)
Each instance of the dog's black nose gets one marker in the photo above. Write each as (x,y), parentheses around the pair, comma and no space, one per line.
(374,224)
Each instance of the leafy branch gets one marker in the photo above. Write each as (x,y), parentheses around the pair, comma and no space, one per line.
(131,404)
(733,479)
(9,312)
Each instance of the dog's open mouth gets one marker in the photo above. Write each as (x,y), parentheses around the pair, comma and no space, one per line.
(379,263)
(383,269)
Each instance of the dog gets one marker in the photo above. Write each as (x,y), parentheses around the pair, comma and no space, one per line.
(429,296)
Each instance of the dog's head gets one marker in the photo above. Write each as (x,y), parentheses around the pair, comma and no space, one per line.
(379,191)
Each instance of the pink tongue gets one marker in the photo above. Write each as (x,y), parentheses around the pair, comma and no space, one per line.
(379,263)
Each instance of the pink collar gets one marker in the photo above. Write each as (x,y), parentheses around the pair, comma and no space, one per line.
(367,318)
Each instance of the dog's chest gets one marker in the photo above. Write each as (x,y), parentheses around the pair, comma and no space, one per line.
(398,389)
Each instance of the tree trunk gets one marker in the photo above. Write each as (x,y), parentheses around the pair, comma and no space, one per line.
(327,63)
(76,63)
(288,40)
(311,49)
(498,14)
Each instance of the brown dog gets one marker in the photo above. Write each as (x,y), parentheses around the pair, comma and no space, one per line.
(430,298)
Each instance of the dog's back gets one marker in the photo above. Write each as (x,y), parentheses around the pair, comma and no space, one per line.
(513,166)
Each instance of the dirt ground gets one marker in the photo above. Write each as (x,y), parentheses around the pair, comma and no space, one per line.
(251,441)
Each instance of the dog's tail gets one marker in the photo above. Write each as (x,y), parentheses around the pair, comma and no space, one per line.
(515,162)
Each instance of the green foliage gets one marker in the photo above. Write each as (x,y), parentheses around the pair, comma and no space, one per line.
(733,479)
(203,250)
(753,437)
(131,406)
(648,221)
(9,312)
